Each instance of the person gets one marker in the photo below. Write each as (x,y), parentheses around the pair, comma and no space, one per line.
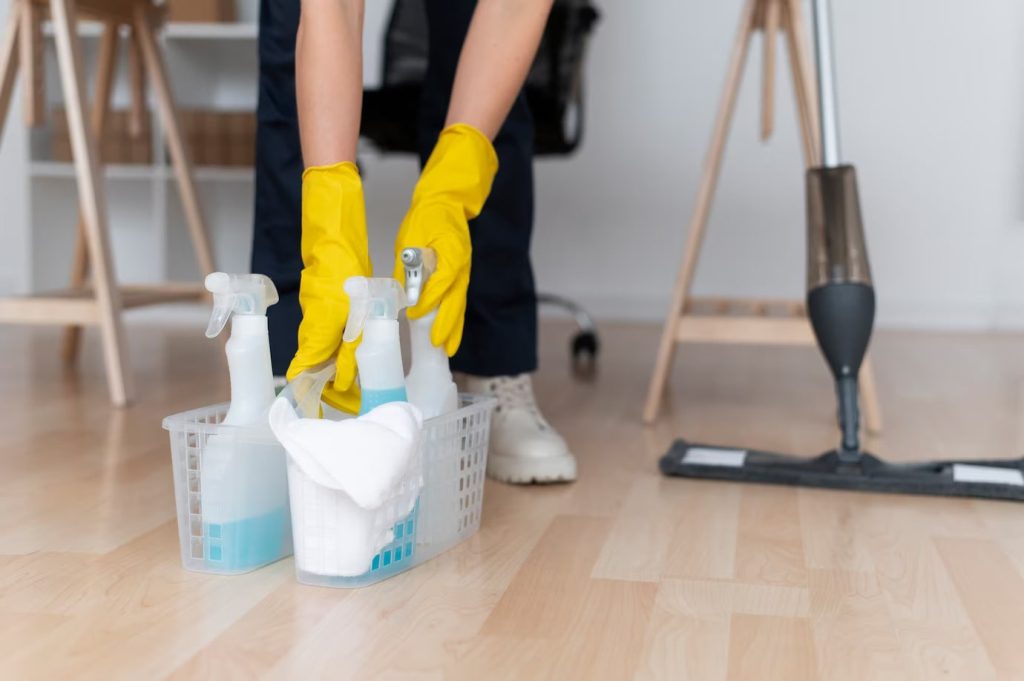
(473,204)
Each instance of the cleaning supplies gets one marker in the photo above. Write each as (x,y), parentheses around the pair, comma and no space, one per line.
(351,480)
(244,493)
(429,382)
(374,304)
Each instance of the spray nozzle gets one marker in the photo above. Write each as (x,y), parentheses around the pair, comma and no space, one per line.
(419,263)
(246,294)
(371,298)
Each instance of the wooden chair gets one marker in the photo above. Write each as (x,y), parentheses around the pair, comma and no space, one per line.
(749,321)
(101,302)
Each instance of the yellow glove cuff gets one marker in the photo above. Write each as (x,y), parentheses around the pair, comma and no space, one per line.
(460,170)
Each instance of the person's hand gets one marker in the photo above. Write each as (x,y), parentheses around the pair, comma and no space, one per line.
(451,191)
(334,248)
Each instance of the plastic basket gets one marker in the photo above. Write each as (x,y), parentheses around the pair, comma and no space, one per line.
(452,460)
(230,492)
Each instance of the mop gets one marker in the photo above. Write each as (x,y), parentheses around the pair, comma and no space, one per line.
(841,308)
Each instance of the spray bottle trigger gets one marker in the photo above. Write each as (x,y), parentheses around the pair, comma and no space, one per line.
(358,291)
(419,263)
(270,295)
(219,284)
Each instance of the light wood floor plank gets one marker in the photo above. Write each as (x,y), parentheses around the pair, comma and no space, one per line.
(993,594)
(769,545)
(771,648)
(638,545)
(703,543)
(855,636)
(560,563)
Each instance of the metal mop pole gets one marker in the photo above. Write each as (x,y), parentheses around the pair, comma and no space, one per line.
(827,107)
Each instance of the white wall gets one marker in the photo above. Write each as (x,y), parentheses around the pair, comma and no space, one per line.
(931,108)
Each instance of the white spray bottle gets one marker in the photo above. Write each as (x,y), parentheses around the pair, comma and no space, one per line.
(247,297)
(429,382)
(374,304)
(243,472)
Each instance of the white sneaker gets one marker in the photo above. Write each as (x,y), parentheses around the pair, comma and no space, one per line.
(524,447)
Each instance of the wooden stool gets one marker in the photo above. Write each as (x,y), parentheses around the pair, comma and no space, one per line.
(749,321)
(101,303)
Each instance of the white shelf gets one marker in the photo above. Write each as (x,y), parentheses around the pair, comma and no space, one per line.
(115,171)
(235,30)
(216,31)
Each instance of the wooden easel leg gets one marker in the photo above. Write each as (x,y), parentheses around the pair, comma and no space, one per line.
(698,222)
(157,73)
(803,83)
(9,61)
(138,81)
(31,45)
(92,201)
(107,61)
(869,397)
(769,33)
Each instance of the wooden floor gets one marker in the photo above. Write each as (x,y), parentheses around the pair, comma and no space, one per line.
(623,575)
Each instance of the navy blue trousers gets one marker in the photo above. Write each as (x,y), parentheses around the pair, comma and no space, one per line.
(501,312)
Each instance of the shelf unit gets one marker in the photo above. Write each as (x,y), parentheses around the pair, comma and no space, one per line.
(239,30)
(212,66)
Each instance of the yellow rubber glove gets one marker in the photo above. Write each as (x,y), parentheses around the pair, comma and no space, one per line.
(451,191)
(334,248)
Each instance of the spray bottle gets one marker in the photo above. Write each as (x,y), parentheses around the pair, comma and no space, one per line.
(373,312)
(243,472)
(429,383)
(247,297)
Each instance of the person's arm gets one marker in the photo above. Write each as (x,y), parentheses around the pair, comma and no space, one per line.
(329,93)
(329,79)
(496,56)
(499,49)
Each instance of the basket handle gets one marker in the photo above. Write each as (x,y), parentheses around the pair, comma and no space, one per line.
(303,392)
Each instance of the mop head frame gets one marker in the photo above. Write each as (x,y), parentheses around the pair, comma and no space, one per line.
(991,479)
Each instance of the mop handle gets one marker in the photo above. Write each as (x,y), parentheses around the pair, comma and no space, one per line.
(827,108)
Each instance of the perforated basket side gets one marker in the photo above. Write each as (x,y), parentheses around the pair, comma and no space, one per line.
(188,433)
(455,460)
(209,547)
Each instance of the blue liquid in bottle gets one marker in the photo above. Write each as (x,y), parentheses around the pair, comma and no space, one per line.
(249,543)
(375,398)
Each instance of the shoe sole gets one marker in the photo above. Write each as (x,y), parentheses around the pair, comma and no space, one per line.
(519,471)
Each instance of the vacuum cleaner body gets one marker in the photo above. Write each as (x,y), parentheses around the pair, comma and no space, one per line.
(841,309)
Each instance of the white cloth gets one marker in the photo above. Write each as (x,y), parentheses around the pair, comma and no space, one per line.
(365,457)
(366,476)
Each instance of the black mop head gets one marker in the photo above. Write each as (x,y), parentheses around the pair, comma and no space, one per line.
(996,479)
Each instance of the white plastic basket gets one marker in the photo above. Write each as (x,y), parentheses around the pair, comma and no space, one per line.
(230,492)
(452,460)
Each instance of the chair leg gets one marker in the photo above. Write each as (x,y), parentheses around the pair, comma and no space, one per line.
(702,208)
(107,62)
(92,201)
(155,69)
